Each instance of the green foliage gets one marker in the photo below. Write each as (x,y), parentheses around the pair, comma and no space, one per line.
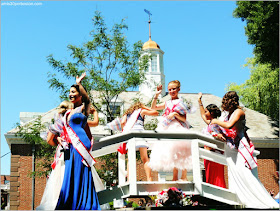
(131,204)
(151,125)
(30,133)
(111,64)
(261,91)
(128,204)
(109,169)
(262,18)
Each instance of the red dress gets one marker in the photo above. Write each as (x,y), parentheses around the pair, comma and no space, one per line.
(214,172)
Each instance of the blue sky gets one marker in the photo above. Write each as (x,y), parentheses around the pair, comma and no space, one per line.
(205,47)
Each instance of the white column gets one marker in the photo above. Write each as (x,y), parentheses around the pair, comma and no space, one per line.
(121,168)
(197,179)
(132,166)
(158,63)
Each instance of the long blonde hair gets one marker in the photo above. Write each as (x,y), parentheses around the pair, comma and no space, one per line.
(134,107)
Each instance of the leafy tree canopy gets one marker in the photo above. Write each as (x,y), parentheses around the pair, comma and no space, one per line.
(111,64)
(261,91)
(262,28)
(30,133)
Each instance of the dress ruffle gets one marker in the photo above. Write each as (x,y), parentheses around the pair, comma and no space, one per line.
(53,186)
(167,155)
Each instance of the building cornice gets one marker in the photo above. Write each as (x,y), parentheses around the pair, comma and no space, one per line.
(259,142)
(265,142)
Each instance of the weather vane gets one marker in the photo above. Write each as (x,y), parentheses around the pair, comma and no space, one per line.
(148,12)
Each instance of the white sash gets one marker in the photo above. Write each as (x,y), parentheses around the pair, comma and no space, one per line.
(244,150)
(132,119)
(88,160)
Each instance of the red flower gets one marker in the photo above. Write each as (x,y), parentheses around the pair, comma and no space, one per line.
(195,203)
(162,192)
(230,133)
(173,188)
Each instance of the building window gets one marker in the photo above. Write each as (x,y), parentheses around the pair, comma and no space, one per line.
(116,111)
(161,63)
(154,64)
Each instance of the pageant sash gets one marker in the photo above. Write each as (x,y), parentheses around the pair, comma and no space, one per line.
(179,108)
(247,153)
(58,153)
(88,160)
(115,125)
(57,156)
(131,120)
(245,148)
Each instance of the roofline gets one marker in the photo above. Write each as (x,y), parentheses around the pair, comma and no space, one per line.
(179,93)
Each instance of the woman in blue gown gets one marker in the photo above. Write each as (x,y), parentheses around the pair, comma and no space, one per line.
(78,189)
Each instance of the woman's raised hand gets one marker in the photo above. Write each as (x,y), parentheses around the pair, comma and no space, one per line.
(159,89)
(79,79)
(92,109)
(199,95)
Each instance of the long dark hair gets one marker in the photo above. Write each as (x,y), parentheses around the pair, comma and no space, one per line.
(230,101)
(77,87)
(214,110)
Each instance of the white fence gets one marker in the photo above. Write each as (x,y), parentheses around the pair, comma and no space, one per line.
(134,188)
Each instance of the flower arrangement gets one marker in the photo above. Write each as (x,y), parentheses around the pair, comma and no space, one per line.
(189,105)
(173,197)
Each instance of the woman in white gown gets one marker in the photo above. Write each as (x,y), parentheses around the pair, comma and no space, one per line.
(242,166)
(172,155)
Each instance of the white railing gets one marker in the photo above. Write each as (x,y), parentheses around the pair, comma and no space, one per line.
(133,187)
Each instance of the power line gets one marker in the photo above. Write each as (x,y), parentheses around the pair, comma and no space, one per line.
(5,154)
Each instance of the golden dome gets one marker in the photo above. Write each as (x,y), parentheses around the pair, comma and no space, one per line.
(150,44)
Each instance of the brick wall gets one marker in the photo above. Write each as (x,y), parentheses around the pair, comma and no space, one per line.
(14,183)
(21,180)
(268,162)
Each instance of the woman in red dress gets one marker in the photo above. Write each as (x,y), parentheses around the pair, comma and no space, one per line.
(214,172)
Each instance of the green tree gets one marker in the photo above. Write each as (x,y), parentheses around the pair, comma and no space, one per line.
(261,91)
(30,133)
(111,64)
(112,67)
(262,18)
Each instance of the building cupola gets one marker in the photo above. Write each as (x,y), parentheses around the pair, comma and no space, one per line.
(155,73)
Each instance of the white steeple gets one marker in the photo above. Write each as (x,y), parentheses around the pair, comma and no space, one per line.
(155,73)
